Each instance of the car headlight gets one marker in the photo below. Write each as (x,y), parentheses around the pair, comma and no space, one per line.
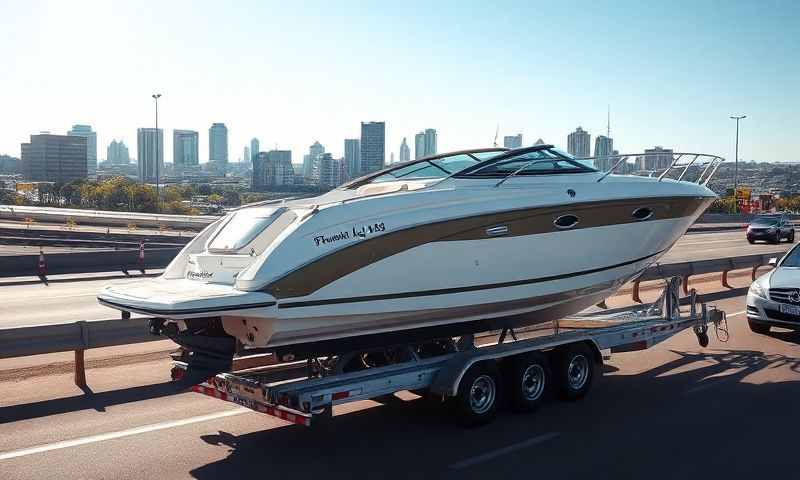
(757,290)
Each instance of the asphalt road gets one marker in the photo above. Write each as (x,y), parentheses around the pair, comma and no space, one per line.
(674,411)
(39,304)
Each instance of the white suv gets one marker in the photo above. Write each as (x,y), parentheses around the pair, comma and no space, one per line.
(774,298)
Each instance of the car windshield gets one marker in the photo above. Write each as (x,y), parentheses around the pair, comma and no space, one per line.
(765,221)
(792,258)
(536,162)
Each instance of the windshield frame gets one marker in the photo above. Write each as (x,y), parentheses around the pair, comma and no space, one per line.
(791,252)
(474,171)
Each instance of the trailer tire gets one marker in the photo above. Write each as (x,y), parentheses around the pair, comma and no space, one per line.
(527,377)
(478,395)
(574,371)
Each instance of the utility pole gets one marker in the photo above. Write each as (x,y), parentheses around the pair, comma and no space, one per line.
(736,165)
(156,96)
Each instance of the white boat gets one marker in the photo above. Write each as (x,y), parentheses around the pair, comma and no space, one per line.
(438,247)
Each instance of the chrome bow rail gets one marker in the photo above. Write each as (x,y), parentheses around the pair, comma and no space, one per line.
(678,162)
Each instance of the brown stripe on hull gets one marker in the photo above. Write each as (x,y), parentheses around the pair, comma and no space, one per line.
(349,325)
(323,271)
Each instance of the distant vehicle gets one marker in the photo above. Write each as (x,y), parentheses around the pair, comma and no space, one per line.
(770,228)
(774,298)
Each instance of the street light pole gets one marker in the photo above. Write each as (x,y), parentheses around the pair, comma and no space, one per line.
(736,165)
(156,96)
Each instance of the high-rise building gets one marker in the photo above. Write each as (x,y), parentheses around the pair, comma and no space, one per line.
(246,154)
(150,153)
(513,141)
(352,157)
(117,153)
(425,143)
(430,142)
(603,148)
(373,146)
(656,158)
(578,143)
(332,171)
(254,149)
(419,145)
(311,161)
(55,158)
(185,149)
(218,144)
(91,146)
(273,169)
(405,152)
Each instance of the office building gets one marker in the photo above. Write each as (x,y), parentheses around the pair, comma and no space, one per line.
(332,172)
(656,158)
(578,143)
(218,145)
(405,152)
(311,161)
(352,157)
(513,141)
(254,149)
(273,169)
(246,155)
(185,149)
(150,154)
(373,146)
(91,146)
(425,143)
(55,158)
(603,149)
(117,153)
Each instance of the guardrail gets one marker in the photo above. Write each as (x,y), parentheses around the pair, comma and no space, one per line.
(80,336)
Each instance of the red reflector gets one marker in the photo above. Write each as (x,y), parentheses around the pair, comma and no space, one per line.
(340,395)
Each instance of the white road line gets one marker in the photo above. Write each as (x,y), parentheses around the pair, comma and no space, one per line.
(735,313)
(119,434)
(503,451)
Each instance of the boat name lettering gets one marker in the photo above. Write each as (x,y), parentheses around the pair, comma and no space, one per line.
(199,275)
(365,230)
(358,231)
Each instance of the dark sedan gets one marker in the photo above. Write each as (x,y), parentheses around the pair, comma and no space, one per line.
(770,228)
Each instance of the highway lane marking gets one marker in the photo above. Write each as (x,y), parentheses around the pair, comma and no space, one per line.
(735,313)
(504,451)
(102,437)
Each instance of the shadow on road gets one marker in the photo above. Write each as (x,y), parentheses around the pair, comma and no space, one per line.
(699,414)
(88,401)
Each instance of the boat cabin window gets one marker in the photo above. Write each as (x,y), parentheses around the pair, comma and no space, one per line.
(537,162)
(243,227)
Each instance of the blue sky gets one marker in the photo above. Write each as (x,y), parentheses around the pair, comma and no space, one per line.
(672,72)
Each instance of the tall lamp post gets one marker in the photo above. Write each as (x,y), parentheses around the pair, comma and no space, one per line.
(736,165)
(156,96)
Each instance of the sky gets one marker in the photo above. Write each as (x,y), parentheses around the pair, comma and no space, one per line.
(291,73)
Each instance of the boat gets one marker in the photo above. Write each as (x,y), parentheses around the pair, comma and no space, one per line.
(443,246)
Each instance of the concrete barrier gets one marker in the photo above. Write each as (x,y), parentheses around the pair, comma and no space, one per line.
(103,217)
(87,262)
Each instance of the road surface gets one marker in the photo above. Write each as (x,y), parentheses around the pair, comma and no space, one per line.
(38,304)
(676,411)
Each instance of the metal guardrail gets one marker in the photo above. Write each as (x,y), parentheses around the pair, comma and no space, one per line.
(80,336)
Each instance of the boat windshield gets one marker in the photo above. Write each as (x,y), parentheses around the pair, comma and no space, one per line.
(430,168)
(542,161)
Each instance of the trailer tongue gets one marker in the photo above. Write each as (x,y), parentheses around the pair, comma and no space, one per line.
(473,372)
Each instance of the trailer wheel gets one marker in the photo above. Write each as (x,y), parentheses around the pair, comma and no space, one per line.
(574,371)
(478,395)
(527,378)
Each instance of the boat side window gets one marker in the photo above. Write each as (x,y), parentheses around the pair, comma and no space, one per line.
(243,227)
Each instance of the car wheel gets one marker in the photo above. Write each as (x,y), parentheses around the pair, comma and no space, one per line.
(758,327)
(751,241)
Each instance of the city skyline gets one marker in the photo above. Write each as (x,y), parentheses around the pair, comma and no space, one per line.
(199,76)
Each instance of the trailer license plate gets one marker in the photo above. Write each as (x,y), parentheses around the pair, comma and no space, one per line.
(790,309)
